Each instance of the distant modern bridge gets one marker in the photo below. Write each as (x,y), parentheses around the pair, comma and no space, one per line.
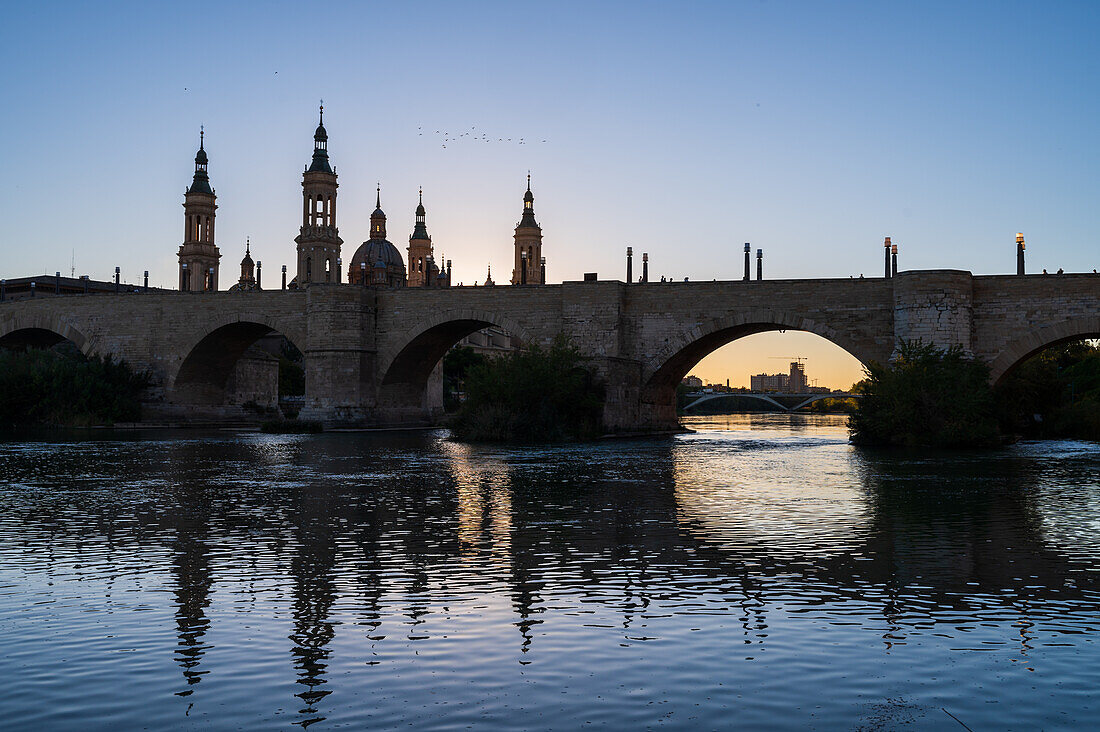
(772,398)
(372,354)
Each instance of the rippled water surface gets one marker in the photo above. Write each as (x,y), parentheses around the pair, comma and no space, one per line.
(760,573)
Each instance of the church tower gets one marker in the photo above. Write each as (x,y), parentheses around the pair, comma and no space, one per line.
(248,269)
(198,255)
(420,251)
(319,239)
(528,269)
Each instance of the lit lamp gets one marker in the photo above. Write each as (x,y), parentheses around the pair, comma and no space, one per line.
(1020,253)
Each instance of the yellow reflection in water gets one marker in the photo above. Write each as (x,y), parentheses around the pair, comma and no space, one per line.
(484,500)
(771,484)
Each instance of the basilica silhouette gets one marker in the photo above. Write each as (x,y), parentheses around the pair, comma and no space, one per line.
(377,262)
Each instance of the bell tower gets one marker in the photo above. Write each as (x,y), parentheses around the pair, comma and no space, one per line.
(528,269)
(420,250)
(319,239)
(198,255)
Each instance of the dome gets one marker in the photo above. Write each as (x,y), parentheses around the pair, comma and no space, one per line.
(200,157)
(373,251)
(320,135)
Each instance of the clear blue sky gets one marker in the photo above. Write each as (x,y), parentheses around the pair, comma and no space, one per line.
(811,129)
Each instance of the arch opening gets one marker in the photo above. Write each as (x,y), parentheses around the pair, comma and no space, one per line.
(27,338)
(1023,349)
(1051,391)
(244,369)
(660,385)
(412,383)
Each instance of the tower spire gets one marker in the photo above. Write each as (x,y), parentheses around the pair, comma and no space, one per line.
(528,243)
(199,255)
(318,239)
(378,196)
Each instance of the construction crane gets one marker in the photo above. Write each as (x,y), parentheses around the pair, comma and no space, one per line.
(799,359)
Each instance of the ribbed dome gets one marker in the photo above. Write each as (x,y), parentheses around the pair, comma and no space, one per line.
(374,251)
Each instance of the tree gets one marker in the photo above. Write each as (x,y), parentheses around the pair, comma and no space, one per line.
(926,396)
(531,395)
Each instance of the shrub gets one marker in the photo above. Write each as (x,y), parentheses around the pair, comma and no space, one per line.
(52,387)
(531,395)
(1055,393)
(926,396)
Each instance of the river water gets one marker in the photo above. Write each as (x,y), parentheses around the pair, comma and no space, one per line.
(759,573)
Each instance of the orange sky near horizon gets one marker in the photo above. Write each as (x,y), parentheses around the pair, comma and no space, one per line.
(826,364)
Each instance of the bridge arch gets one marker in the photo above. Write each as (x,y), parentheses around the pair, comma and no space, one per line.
(39,330)
(672,362)
(209,372)
(406,367)
(1026,346)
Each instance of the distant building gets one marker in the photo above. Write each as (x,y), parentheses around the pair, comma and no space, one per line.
(491,341)
(19,288)
(794,382)
(692,382)
(769,382)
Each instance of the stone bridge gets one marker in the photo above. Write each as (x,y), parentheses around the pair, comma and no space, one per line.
(372,355)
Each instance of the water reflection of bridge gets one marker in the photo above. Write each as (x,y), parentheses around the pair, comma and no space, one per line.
(795,401)
(373,537)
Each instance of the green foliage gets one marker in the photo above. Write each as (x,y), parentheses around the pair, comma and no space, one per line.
(292,377)
(682,391)
(51,387)
(833,405)
(456,364)
(926,397)
(459,360)
(1055,393)
(532,395)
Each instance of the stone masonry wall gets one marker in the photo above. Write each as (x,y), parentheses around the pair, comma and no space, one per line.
(639,337)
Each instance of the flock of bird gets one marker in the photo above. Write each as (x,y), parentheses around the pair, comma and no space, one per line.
(473,135)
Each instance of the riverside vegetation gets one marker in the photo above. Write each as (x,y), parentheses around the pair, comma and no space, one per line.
(531,395)
(62,387)
(935,397)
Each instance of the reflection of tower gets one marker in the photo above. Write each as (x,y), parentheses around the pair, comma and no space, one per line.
(528,264)
(193,582)
(198,255)
(314,594)
(319,238)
